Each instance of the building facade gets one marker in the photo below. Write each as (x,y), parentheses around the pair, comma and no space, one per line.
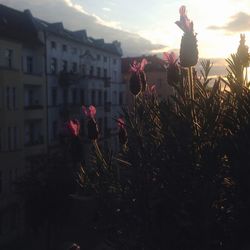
(22,110)
(46,74)
(81,71)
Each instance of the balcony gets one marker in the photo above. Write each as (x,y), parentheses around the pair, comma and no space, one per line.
(33,97)
(66,79)
(107,106)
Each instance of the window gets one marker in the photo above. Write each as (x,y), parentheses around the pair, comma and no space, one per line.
(64,48)
(105,96)
(54,130)
(120,98)
(15,137)
(98,57)
(82,97)
(54,96)
(91,71)
(114,61)
(105,59)
(114,97)
(14,97)
(9,138)
(74,67)
(105,73)
(83,69)
(53,66)
(93,97)
(8,98)
(30,97)
(98,72)
(114,75)
(53,45)
(9,58)
(29,64)
(74,96)
(12,138)
(64,66)
(99,97)
(10,180)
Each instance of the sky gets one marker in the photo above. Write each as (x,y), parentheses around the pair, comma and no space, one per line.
(149,26)
(218,23)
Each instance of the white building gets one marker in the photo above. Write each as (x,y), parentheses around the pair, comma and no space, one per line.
(81,71)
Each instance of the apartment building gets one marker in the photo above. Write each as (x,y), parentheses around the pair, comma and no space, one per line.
(81,71)
(22,110)
(46,74)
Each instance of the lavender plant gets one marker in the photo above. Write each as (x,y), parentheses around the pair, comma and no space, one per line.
(182,179)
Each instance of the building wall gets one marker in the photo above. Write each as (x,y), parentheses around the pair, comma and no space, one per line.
(91,88)
(15,113)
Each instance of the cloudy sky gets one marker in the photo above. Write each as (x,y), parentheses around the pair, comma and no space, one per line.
(148,25)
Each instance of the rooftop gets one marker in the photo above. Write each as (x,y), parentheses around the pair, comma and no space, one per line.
(18,25)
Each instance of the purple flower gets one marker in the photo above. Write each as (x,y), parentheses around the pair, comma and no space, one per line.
(184,24)
(74,127)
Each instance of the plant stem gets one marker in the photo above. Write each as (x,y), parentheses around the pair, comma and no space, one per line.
(99,153)
(191,94)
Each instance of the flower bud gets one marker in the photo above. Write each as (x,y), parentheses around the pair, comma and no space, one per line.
(93,131)
(243,51)
(189,50)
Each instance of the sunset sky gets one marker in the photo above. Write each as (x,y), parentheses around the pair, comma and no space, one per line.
(218,23)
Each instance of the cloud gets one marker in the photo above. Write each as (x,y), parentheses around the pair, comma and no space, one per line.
(75,17)
(111,24)
(106,9)
(76,6)
(238,23)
